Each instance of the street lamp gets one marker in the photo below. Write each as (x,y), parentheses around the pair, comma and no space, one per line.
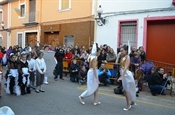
(100,20)
(3,27)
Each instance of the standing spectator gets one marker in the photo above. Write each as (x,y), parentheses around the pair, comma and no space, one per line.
(111,57)
(8,52)
(1,77)
(1,56)
(142,54)
(135,62)
(40,71)
(68,56)
(102,58)
(59,55)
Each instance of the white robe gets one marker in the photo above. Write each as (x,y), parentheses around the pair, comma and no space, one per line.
(92,84)
(128,84)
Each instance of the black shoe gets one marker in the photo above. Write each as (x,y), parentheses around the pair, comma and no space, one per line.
(163,93)
(154,94)
(61,78)
(55,79)
(41,90)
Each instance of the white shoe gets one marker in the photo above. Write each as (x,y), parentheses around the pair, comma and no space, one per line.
(97,103)
(46,83)
(126,109)
(82,102)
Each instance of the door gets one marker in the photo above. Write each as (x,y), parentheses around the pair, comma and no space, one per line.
(31,39)
(161,41)
(52,39)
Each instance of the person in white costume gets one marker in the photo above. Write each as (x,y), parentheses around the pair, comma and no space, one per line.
(92,79)
(127,78)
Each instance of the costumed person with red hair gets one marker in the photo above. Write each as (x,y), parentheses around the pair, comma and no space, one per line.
(92,78)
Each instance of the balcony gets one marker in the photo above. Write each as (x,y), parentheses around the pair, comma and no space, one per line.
(30,19)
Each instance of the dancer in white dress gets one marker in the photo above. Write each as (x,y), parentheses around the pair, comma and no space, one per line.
(127,79)
(92,79)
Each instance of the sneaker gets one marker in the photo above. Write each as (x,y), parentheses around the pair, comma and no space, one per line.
(37,91)
(41,90)
(61,78)
(97,103)
(46,83)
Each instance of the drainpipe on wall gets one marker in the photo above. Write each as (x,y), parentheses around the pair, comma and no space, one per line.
(8,25)
(95,2)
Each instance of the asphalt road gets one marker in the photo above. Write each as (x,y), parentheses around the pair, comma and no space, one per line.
(61,98)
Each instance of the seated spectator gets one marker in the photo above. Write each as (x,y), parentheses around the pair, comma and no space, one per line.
(82,74)
(76,55)
(157,82)
(68,55)
(142,54)
(74,69)
(104,75)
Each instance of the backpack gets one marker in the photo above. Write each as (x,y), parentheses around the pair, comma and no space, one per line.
(147,67)
(118,90)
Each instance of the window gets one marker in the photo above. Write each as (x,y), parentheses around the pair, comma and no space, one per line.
(20,39)
(69,40)
(128,33)
(64,4)
(0,40)
(22,10)
(1,18)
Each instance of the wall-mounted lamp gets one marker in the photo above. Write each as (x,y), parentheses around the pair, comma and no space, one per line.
(3,27)
(100,20)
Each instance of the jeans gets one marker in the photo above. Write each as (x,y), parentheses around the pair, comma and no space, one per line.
(157,89)
(105,80)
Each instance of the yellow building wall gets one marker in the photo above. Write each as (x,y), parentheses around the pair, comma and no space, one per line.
(79,9)
(14,33)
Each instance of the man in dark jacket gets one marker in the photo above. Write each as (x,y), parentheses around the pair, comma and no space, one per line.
(157,82)
(59,55)
(74,69)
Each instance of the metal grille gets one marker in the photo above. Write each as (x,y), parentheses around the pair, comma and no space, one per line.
(128,32)
(20,40)
(69,40)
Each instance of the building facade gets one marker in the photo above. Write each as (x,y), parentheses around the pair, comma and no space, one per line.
(53,22)
(150,24)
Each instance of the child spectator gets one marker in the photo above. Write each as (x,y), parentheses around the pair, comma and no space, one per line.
(82,74)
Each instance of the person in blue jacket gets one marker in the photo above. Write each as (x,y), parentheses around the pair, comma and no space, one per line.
(104,74)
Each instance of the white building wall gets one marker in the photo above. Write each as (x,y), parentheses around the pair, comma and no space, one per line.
(108,34)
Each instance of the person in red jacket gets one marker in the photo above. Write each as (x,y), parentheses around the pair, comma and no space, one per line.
(68,56)
(1,56)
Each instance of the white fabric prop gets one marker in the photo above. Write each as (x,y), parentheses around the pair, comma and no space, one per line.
(93,52)
(25,72)
(0,76)
(129,47)
(5,110)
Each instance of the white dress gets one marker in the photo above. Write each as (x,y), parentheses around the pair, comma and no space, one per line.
(92,84)
(128,84)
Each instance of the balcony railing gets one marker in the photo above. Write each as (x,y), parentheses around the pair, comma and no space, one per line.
(30,18)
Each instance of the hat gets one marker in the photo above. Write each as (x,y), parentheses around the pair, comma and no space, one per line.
(23,53)
(12,54)
(93,52)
